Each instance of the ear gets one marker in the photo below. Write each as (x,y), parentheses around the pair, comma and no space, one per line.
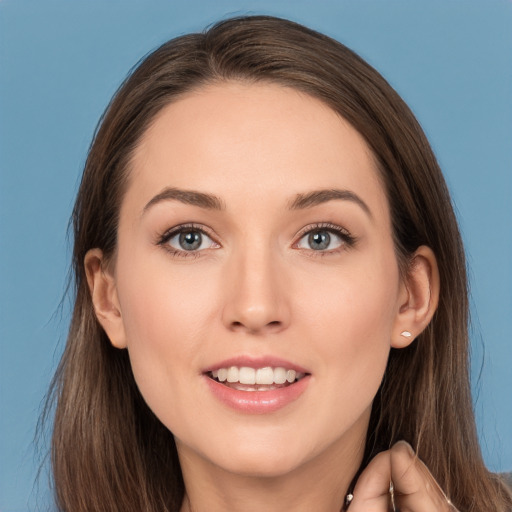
(103,290)
(419,296)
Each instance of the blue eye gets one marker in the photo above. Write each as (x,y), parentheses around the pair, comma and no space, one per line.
(325,238)
(187,239)
(190,240)
(320,241)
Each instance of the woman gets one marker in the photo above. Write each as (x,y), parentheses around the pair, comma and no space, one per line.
(271,304)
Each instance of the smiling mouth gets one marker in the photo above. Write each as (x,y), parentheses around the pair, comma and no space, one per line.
(256,379)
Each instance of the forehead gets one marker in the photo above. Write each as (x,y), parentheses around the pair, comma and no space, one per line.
(235,138)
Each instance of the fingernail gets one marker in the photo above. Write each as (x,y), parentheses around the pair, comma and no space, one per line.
(410,449)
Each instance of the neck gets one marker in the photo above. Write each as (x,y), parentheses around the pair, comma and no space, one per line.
(319,484)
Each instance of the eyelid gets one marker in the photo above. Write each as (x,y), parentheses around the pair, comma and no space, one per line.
(190,226)
(348,240)
(322,225)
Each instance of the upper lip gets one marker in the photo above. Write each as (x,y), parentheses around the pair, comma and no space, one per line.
(255,362)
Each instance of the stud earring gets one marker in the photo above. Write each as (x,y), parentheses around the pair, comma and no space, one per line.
(406,334)
(348,500)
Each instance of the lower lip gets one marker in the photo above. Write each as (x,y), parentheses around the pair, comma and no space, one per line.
(258,402)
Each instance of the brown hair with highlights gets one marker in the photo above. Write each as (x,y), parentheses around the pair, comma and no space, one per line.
(109,451)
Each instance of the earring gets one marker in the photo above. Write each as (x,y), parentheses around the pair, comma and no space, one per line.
(406,334)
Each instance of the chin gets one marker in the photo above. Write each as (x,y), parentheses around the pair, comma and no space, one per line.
(263,458)
(262,465)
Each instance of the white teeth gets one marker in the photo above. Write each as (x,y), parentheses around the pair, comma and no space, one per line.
(247,375)
(265,375)
(279,375)
(261,376)
(232,374)
(290,375)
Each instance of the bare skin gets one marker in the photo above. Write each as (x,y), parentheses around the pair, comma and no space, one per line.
(258,284)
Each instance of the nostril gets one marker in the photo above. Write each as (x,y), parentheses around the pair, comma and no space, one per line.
(275,323)
(255,328)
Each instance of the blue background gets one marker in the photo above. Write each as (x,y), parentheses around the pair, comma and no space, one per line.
(61,61)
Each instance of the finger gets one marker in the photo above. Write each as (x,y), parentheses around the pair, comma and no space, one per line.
(415,489)
(371,493)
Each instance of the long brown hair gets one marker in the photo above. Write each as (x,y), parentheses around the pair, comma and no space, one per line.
(109,451)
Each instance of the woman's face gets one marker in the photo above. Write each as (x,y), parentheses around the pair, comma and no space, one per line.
(255,233)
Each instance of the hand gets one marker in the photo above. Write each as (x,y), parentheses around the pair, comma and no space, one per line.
(414,488)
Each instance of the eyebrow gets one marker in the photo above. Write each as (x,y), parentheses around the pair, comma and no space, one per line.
(299,202)
(317,197)
(192,197)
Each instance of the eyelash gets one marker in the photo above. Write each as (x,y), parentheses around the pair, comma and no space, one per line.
(348,240)
(164,239)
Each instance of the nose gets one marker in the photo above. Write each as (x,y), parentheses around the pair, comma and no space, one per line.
(257,298)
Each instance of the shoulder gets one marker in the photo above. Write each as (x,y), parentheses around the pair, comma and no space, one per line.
(507,478)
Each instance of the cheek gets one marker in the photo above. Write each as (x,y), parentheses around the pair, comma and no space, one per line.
(354,307)
(167,316)
(162,302)
(352,324)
